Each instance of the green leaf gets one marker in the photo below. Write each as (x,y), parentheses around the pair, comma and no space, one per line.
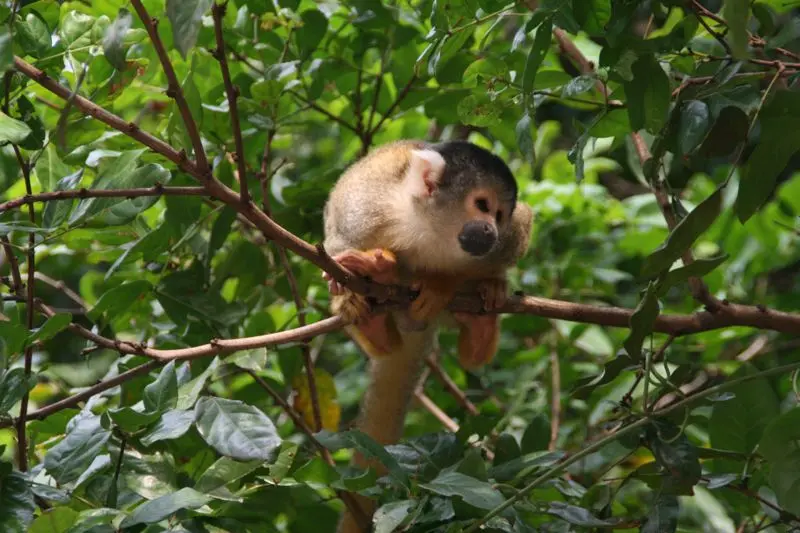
(50,169)
(648,95)
(615,123)
(114,176)
(56,212)
(781,436)
(642,320)
(317,472)
(186,17)
(729,129)
(130,419)
(784,478)
(165,506)
(683,236)
(526,137)
(579,85)
(85,440)
(50,328)
(188,393)
(737,12)
(389,516)
(312,31)
(13,387)
(162,394)
(477,493)
(75,28)
(367,447)
(16,503)
(12,130)
(56,520)
(738,424)
(236,429)
(693,125)
(663,515)
(6,50)
(697,269)
(12,338)
(118,299)
(112,42)
(541,44)
(33,35)
(524,465)
(677,455)
(575,515)
(537,435)
(479,110)
(224,470)
(172,424)
(779,116)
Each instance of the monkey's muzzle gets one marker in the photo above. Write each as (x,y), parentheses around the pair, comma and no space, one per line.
(477,237)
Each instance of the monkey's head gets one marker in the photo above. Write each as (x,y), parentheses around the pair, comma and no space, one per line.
(466,193)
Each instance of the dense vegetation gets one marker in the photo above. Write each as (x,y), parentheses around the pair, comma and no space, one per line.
(160,326)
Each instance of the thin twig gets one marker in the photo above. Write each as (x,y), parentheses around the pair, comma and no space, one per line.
(61,286)
(451,387)
(434,409)
(348,500)
(324,111)
(174,89)
(400,97)
(218,12)
(156,190)
(555,399)
(24,165)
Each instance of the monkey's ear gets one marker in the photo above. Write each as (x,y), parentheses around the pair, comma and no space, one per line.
(424,172)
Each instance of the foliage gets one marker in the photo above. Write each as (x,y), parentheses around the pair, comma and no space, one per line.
(655,141)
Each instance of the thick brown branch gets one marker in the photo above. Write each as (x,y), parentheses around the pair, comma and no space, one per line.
(156,190)
(174,89)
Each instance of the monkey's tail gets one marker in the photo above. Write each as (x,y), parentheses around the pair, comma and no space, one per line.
(393,378)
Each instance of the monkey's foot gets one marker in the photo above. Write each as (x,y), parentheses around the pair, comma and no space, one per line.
(378,264)
(477,338)
(494,293)
(376,334)
(434,295)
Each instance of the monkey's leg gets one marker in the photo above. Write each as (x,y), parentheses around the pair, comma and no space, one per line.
(479,334)
(376,334)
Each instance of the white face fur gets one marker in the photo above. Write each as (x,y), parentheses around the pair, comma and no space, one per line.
(421,242)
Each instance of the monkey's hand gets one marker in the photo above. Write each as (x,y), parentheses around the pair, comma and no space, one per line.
(376,334)
(479,334)
(435,292)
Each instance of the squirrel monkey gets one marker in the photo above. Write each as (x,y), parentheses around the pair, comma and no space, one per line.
(441,218)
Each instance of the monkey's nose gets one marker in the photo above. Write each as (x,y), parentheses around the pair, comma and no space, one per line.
(477,237)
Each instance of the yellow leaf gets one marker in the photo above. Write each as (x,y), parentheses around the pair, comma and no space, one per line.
(326,394)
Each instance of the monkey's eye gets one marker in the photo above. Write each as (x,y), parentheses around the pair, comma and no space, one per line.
(482,205)
(499,217)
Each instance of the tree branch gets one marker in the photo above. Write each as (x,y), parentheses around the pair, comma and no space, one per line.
(218,11)
(155,190)
(174,89)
